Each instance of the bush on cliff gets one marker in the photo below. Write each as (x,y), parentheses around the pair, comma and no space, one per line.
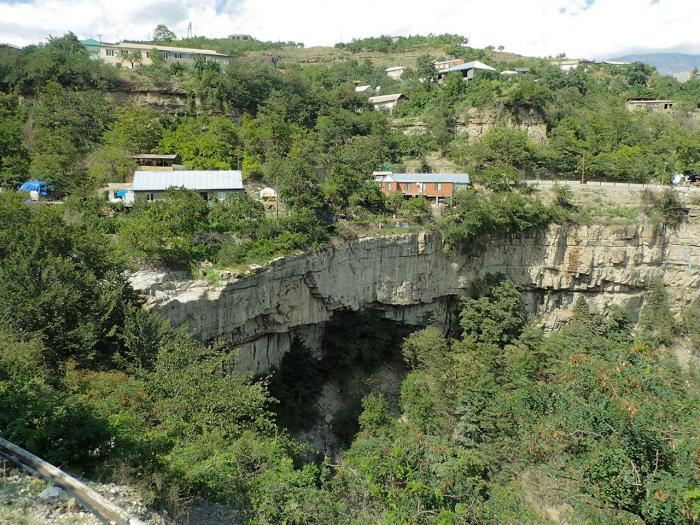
(476,216)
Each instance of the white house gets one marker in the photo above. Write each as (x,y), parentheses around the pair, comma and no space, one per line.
(387,102)
(150,186)
(571,64)
(395,72)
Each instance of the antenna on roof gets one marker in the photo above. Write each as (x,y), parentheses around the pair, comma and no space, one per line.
(189,30)
(99,35)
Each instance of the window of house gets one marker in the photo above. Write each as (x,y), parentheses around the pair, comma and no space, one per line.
(166,56)
(438,186)
(178,55)
(388,186)
(221,195)
(148,54)
(110,52)
(149,197)
(124,52)
(407,186)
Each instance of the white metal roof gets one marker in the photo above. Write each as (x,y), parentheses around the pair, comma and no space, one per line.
(385,98)
(474,64)
(456,178)
(192,180)
(395,68)
(172,49)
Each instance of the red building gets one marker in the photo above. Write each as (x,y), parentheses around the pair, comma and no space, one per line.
(433,186)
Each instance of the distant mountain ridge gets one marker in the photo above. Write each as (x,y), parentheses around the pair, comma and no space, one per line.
(679,65)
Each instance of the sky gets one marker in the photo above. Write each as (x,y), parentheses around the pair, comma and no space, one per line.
(579,28)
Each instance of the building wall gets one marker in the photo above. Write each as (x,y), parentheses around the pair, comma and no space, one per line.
(447,64)
(396,75)
(650,106)
(141,196)
(115,55)
(429,189)
(388,106)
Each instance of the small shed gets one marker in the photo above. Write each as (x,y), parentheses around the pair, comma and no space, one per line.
(268,197)
(37,189)
(386,102)
(157,162)
(395,72)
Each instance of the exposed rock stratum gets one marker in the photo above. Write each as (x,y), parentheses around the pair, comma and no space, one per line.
(408,277)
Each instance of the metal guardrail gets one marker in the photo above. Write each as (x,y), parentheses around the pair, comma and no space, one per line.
(94,502)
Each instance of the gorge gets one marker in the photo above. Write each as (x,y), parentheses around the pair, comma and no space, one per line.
(410,277)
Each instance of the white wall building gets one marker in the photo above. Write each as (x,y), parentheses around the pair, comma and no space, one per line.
(395,72)
(386,102)
(122,53)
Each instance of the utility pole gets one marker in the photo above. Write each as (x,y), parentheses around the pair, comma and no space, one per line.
(189,30)
(583,169)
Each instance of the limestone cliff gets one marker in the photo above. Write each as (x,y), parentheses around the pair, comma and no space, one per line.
(475,122)
(407,277)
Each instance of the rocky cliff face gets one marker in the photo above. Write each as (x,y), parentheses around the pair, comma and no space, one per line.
(475,122)
(407,277)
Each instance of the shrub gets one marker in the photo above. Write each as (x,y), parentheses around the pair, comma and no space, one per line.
(656,318)
(670,208)
(478,215)
(165,231)
(417,403)
(375,416)
(237,214)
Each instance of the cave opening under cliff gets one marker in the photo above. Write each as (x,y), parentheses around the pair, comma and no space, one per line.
(320,399)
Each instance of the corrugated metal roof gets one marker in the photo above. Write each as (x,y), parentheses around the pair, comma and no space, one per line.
(456,178)
(385,98)
(192,180)
(474,64)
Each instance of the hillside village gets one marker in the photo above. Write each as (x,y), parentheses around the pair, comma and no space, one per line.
(528,116)
(397,280)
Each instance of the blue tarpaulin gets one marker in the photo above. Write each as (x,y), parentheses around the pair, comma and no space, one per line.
(36,185)
(121,194)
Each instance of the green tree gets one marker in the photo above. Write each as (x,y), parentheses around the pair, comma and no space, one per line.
(164,231)
(236,214)
(62,283)
(134,58)
(655,317)
(14,158)
(204,143)
(162,34)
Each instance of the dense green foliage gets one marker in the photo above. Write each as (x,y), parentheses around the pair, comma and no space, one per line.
(89,379)
(389,44)
(477,215)
(500,422)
